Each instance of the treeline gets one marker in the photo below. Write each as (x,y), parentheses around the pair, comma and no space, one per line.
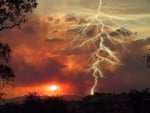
(132,102)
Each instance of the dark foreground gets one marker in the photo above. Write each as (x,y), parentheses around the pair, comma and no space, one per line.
(132,102)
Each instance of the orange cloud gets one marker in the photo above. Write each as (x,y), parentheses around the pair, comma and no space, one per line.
(43,54)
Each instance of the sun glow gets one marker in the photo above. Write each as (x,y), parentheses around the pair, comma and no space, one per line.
(57,89)
(53,88)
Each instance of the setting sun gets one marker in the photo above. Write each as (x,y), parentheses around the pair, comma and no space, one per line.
(57,89)
(53,88)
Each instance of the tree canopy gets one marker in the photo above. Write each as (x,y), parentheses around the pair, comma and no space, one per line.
(6,73)
(12,13)
(15,12)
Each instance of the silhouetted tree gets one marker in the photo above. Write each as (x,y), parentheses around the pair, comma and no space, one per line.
(10,108)
(6,73)
(32,104)
(132,102)
(15,12)
(137,100)
(55,105)
(12,13)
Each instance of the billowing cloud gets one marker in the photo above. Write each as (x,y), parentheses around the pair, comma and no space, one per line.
(133,73)
(54,40)
(42,50)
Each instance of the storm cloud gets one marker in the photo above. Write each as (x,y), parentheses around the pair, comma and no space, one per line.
(42,53)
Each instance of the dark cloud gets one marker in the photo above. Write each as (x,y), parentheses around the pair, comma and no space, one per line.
(29,74)
(54,40)
(68,51)
(29,30)
(74,51)
(50,19)
(71,19)
(132,74)
(121,31)
(140,43)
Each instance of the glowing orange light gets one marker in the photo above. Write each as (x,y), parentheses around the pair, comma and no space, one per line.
(53,88)
(70,66)
(56,89)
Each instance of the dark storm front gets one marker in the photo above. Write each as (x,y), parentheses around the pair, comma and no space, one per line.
(148,60)
(147,56)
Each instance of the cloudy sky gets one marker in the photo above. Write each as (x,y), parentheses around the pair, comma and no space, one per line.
(43,54)
(135,11)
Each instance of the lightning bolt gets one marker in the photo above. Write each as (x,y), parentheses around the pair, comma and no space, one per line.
(101,52)
(98,40)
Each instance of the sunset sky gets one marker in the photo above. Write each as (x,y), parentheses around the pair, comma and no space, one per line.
(43,55)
